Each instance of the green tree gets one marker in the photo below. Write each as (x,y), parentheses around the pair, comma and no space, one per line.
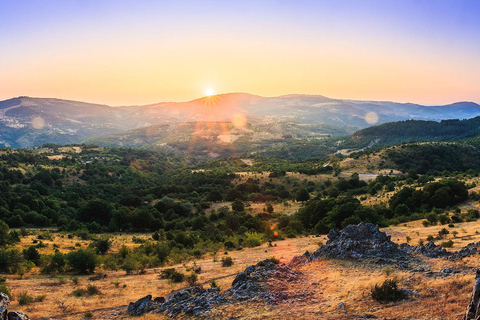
(83,260)
(302,195)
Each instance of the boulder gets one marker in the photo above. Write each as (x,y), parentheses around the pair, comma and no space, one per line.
(141,306)
(17,315)
(4,304)
(360,242)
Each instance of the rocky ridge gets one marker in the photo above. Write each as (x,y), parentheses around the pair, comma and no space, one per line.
(247,285)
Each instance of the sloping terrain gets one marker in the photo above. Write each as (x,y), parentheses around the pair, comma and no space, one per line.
(27,122)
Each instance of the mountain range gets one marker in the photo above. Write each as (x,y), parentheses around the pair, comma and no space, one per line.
(27,122)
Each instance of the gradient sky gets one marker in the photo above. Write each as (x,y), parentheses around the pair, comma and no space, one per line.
(137,52)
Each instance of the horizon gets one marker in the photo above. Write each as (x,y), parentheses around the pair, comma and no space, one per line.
(245,93)
(122,53)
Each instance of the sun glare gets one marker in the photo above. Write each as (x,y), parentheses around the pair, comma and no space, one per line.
(209,92)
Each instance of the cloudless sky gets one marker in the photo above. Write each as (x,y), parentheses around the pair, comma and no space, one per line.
(137,52)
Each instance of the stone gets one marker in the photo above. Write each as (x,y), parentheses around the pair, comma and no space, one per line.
(159,300)
(17,315)
(4,304)
(361,242)
(141,306)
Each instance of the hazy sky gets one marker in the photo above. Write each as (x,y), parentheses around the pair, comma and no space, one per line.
(137,52)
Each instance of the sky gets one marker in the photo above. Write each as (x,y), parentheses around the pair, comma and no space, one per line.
(138,52)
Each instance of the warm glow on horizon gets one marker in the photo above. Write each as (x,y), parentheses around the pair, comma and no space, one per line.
(120,52)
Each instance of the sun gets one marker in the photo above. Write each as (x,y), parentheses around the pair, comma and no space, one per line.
(209,92)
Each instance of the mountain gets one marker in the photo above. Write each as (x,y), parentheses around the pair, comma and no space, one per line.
(26,121)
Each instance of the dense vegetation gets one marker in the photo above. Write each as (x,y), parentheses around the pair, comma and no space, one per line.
(95,190)
(394,133)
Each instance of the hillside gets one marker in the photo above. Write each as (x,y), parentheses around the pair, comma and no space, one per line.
(30,122)
(394,133)
(214,139)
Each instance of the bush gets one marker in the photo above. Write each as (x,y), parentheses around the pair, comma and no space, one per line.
(214,284)
(387,292)
(4,289)
(79,292)
(447,244)
(24,298)
(274,260)
(192,279)
(172,274)
(227,262)
(92,290)
(253,239)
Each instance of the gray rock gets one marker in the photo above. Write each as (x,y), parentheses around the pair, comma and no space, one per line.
(4,304)
(361,242)
(159,300)
(17,315)
(141,306)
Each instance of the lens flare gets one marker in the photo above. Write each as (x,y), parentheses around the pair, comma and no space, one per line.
(38,123)
(371,118)
(239,120)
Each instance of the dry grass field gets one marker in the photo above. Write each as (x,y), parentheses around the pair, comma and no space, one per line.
(316,294)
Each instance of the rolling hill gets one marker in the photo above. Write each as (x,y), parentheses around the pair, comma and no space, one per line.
(26,122)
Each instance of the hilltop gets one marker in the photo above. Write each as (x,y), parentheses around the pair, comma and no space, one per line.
(30,122)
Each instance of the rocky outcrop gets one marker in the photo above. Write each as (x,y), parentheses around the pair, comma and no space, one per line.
(13,315)
(251,282)
(469,250)
(247,285)
(431,250)
(361,242)
(141,306)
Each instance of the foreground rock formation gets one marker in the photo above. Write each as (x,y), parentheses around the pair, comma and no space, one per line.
(12,315)
(362,242)
(247,285)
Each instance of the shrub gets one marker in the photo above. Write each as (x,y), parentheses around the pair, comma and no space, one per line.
(40,298)
(192,279)
(253,239)
(79,292)
(92,290)
(387,292)
(172,274)
(274,260)
(75,280)
(447,244)
(4,289)
(214,284)
(24,298)
(227,261)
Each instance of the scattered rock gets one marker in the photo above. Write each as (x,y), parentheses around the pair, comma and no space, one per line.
(341,305)
(431,250)
(361,242)
(367,316)
(469,250)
